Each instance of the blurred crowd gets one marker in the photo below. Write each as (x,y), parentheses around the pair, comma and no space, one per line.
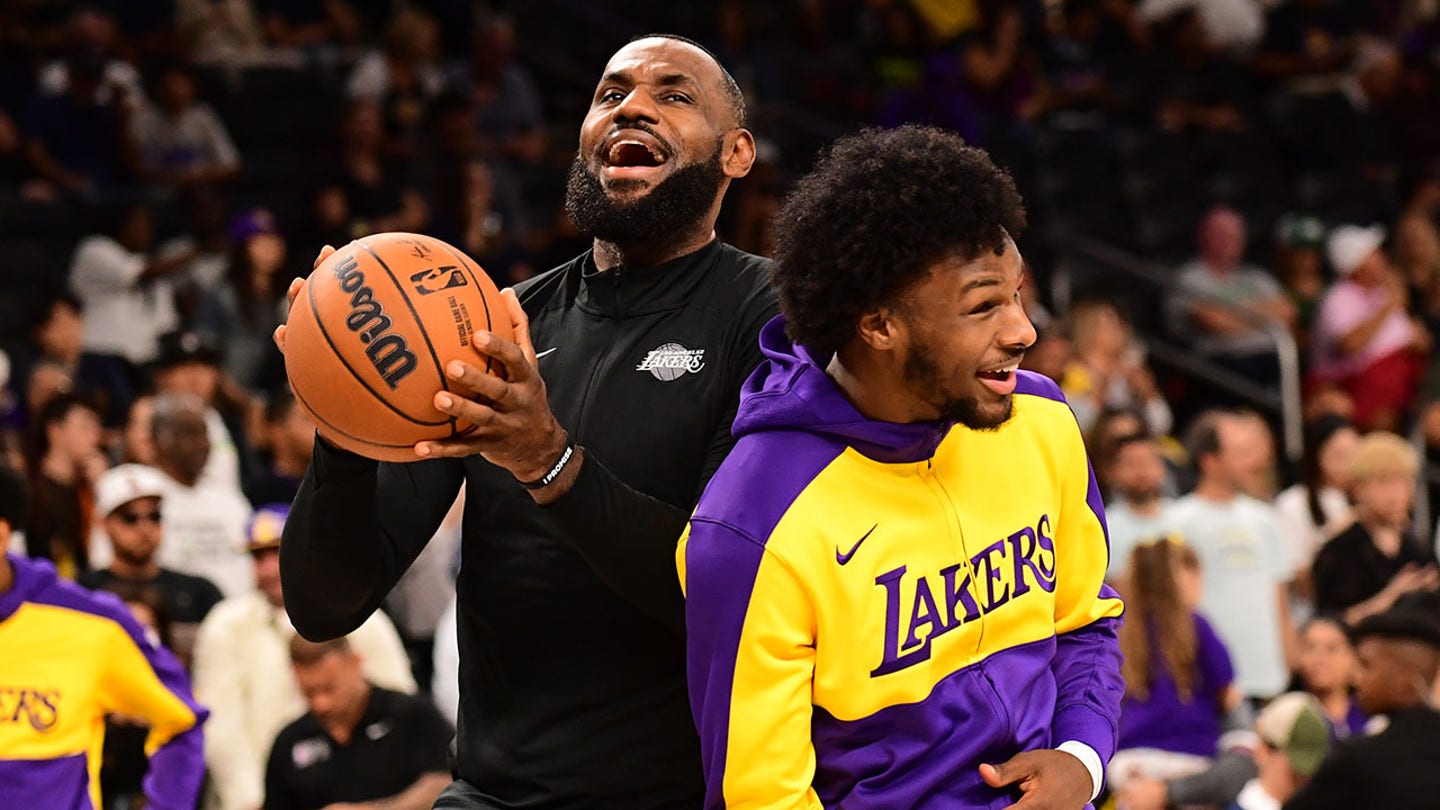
(170,165)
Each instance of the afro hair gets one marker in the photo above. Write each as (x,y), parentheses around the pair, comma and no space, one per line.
(874,215)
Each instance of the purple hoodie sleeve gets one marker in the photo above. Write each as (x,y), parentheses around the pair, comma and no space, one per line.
(147,682)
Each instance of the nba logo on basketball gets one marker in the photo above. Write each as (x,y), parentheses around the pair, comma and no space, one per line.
(672,361)
(436,279)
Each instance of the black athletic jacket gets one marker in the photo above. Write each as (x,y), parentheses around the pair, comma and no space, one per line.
(572,654)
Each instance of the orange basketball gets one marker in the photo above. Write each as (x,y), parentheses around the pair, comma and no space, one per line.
(371,332)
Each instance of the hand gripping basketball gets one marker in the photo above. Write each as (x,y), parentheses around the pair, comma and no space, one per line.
(514,427)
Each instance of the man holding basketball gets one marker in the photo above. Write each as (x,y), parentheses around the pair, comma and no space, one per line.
(895,583)
(589,455)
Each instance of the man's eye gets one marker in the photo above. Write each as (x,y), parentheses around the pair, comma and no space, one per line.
(983,308)
(611,95)
(680,97)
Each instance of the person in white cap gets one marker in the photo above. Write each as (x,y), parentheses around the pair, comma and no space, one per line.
(128,500)
(1364,342)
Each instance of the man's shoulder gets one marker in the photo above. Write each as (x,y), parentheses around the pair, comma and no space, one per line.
(762,478)
(187,582)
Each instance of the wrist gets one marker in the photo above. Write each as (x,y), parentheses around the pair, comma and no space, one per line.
(555,459)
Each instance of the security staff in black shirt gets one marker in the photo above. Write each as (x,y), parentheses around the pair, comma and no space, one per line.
(615,410)
(358,746)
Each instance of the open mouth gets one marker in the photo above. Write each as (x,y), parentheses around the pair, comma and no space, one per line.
(1001,379)
(632,156)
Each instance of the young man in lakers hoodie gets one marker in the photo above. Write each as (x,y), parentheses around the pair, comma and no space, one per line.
(895,583)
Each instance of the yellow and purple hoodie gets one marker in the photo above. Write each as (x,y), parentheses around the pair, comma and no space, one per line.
(69,657)
(875,609)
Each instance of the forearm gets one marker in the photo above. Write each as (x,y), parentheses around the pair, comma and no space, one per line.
(1378,603)
(1218,785)
(419,796)
(340,556)
(1088,687)
(627,537)
(1357,338)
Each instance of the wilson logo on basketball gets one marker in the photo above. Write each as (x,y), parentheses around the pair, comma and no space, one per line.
(388,352)
(429,282)
(672,361)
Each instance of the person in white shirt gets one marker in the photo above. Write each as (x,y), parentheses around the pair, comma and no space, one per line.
(182,142)
(1318,506)
(127,295)
(204,521)
(243,674)
(1138,510)
(1241,551)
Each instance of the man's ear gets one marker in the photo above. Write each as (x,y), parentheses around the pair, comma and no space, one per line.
(880,329)
(739,148)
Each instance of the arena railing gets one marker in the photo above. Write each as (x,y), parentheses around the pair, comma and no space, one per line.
(1286,402)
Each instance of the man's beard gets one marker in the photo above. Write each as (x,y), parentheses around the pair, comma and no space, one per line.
(923,375)
(678,202)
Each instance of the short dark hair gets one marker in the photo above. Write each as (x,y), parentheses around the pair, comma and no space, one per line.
(59,407)
(14,498)
(733,94)
(41,316)
(1203,438)
(1399,624)
(304,653)
(876,212)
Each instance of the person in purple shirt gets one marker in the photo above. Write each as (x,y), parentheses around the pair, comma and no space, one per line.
(1178,675)
(1327,671)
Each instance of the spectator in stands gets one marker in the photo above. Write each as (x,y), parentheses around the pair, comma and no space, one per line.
(189,365)
(1259,475)
(91,37)
(365,193)
(403,77)
(1308,44)
(1179,682)
(204,520)
(308,24)
(58,337)
(1242,553)
(1215,288)
(1379,560)
(1138,509)
(123,762)
(1187,79)
(325,758)
(128,503)
(1050,355)
(1399,656)
(1317,507)
(242,671)
(181,141)
(506,102)
(1111,426)
(72,657)
(1293,742)
(241,312)
(1327,671)
(66,467)
(79,139)
(137,443)
(1416,251)
(1299,262)
(127,293)
(222,33)
(1002,81)
(289,441)
(1109,370)
(1363,341)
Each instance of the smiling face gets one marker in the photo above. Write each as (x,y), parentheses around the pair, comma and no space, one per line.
(960,333)
(659,145)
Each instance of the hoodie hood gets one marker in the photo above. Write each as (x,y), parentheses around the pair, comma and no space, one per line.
(791,391)
(31,577)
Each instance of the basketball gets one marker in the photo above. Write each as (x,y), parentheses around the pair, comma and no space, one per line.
(371,332)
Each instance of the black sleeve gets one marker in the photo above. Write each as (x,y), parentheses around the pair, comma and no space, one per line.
(1328,577)
(355,527)
(277,785)
(432,739)
(629,538)
(1329,788)
(207,597)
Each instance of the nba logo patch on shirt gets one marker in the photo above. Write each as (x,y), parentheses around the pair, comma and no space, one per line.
(672,361)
